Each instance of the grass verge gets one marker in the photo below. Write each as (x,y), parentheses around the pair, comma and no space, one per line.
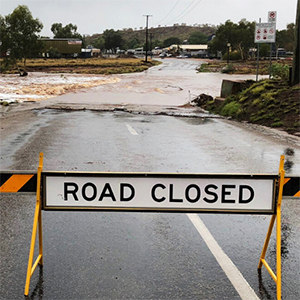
(270,103)
(241,67)
(103,66)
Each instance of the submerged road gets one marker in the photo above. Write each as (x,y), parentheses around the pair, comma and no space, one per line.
(118,255)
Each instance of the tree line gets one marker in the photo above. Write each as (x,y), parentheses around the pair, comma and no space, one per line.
(19,37)
(240,38)
(111,39)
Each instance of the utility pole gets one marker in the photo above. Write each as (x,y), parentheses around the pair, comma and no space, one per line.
(257,57)
(147,17)
(296,59)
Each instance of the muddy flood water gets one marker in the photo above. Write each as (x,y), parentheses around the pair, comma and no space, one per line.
(174,82)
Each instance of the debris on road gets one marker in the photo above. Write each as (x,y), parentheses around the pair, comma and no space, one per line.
(201,100)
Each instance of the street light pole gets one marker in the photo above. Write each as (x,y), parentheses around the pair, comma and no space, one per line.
(228,47)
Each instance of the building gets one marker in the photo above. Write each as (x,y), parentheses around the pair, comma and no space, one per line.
(89,52)
(65,46)
(195,50)
(200,51)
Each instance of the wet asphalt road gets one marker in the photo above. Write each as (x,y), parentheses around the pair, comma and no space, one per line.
(110,255)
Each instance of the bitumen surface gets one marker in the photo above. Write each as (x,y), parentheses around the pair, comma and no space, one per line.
(126,255)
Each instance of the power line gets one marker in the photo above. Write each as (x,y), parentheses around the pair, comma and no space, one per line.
(189,10)
(183,11)
(168,13)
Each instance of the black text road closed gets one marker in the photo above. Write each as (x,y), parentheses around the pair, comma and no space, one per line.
(159,192)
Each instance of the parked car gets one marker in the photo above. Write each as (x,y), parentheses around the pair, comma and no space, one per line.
(182,56)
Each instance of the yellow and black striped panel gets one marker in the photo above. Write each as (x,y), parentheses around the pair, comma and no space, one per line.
(26,183)
(291,187)
(17,183)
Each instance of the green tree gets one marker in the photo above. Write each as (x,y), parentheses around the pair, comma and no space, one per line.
(68,31)
(171,41)
(197,38)
(240,37)
(244,36)
(4,37)
(264,50)
(285,38)
(224,35)
(113,40)
(99,43)
(157,43)
(134,43)
(54,53)
(20,35)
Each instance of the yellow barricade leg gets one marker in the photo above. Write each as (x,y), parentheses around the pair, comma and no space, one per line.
(37,224)
(266,244)
(278,253)
(276,277)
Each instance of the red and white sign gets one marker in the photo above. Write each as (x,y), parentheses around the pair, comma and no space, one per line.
(272,16)
(265,32)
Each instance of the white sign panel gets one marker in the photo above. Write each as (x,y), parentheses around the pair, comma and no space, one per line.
(265,33)
(159,192)
(272,16)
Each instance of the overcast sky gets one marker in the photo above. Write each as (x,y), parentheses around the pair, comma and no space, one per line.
(94,16)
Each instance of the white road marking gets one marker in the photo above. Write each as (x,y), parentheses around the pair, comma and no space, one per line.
(131,130)
(234,275)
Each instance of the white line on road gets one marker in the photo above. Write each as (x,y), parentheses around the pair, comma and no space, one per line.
(238,281)
(131,130)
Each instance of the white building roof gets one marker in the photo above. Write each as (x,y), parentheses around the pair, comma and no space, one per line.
(194,47)
(188,47)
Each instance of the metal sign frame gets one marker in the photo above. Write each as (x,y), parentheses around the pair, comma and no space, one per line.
(196,181)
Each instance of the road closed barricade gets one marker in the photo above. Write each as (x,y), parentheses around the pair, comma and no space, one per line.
(154,192)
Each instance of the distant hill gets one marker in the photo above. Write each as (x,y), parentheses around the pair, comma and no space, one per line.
(161,33)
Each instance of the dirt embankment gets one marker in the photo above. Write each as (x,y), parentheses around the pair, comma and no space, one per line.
(242,67)
(270,103)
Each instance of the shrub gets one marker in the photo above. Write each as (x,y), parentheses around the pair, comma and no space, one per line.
(281,71)
(256,102)
(228,69)
(277,124)
(203,68)
(243,99)
(54,53)
(236,55)
(257,90)
(230,109)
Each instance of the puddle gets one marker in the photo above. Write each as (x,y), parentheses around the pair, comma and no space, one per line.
(196,121)
(288,165)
